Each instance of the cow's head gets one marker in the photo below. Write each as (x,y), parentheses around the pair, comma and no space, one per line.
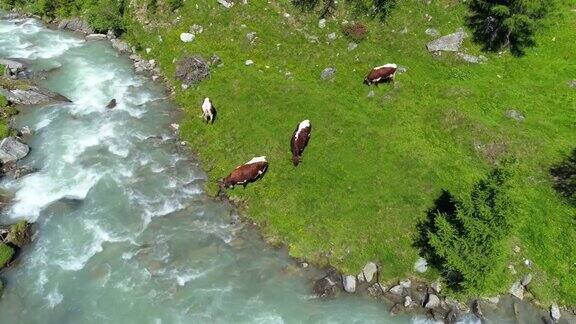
(225,183)
(367,81)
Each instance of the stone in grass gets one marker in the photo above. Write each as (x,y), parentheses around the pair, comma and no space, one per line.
(421,265)
(349,283)
(450,43)
(514,114)
(432,302)
(6,254)
(187,37)
(526,279)
(572,83)
(369,271)
(248,62)
(517,290)
(327,73)
(19,234)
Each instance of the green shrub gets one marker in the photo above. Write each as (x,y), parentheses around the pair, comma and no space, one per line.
(564,177)
(465,239)
(500,24)
(355,31)
(106,15)
(6,254)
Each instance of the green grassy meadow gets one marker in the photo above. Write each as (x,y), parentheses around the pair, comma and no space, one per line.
(374,165)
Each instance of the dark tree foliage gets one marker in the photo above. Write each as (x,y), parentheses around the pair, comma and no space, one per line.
(564,176)
(104,15)
(510,24)
(465,239)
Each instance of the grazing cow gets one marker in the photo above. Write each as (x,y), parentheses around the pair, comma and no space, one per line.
(381,74)
(300,141)
(249,172)
(208,111)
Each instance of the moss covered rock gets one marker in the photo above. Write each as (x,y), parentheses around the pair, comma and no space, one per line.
(19,234)
(6,254)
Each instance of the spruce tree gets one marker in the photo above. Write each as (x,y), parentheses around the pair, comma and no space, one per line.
(507,23)
(469,244)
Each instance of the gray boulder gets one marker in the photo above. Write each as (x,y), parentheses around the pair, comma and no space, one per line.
(397,290)
(449,43)
(555,312)
(421,265)
(369,271)
(349,283)
(121,46)
(517,290)
(326,287)
(327,73)
(352,46)
(32,95)
(192,70)
(76,24)
(432,301)
(13,66)
(11,150)
(572,83)
(226,4)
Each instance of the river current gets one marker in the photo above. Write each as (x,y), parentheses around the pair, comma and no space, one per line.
(125,232)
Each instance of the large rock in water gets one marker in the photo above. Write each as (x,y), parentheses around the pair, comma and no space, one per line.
(32,95)
(11,150)
(13,67)
(191,70)
(450,43)
(76,24)
(555,312)
(19,234)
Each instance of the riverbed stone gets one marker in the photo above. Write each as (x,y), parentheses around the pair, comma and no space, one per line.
(432,301)
(449,43)
(95,37)
(477,310)
(395,309)
(349,283)
(555,312)
(407,283)
(369,271)
(397,290)
(121,46)
(408,302)
(325,287)
(13,66)
(517,290)
(376,290)
(436,285)
(11,149)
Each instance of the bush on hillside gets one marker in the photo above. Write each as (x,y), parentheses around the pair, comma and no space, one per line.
(501,24)
(465,239)
(106,15)
(356,31)
(564,176)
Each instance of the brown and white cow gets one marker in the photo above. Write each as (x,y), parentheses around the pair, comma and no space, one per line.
(208,111)
(381,74)
(249,172)
(300,140)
